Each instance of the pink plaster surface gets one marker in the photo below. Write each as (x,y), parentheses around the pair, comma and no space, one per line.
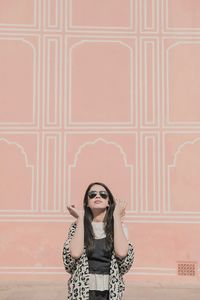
(107,91)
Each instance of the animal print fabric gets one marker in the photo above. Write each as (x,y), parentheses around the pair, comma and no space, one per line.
(78,283)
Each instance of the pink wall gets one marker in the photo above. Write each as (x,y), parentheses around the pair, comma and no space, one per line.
(100,90)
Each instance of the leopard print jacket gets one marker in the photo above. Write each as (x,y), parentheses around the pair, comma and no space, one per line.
(78,283)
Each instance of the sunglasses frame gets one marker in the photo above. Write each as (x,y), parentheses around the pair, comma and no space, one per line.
(104,193)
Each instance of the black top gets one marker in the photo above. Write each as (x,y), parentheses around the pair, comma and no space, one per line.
(99,262)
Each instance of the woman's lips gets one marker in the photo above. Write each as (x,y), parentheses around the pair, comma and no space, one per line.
(97,201)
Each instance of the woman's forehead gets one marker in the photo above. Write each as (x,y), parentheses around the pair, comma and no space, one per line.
(97,187)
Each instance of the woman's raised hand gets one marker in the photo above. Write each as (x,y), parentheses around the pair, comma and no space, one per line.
(120,206)
(74,212)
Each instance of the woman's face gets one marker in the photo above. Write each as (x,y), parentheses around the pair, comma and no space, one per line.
(98,198)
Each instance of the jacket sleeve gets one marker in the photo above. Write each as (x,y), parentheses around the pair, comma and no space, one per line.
(68,260)
(125,263)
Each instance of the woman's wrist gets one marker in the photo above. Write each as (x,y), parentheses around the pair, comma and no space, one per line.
(116,216)
(80,218)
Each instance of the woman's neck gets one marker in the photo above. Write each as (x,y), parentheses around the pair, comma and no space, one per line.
(98,216)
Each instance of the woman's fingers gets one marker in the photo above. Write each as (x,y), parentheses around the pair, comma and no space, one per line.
(73,211)
(120,207)
(76,213)
(121,203)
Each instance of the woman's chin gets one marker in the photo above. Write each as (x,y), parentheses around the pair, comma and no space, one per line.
(99,208)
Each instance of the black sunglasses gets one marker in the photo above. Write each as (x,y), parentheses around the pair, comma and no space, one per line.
(93,194)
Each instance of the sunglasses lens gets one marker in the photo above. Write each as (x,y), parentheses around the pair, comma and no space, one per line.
(103,195)
(92,195)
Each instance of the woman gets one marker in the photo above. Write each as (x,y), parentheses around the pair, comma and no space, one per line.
(97,253)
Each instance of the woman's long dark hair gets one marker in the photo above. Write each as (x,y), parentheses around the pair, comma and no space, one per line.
(108,222)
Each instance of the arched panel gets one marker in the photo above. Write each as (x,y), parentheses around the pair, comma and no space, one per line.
(16,187)
(184,178)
